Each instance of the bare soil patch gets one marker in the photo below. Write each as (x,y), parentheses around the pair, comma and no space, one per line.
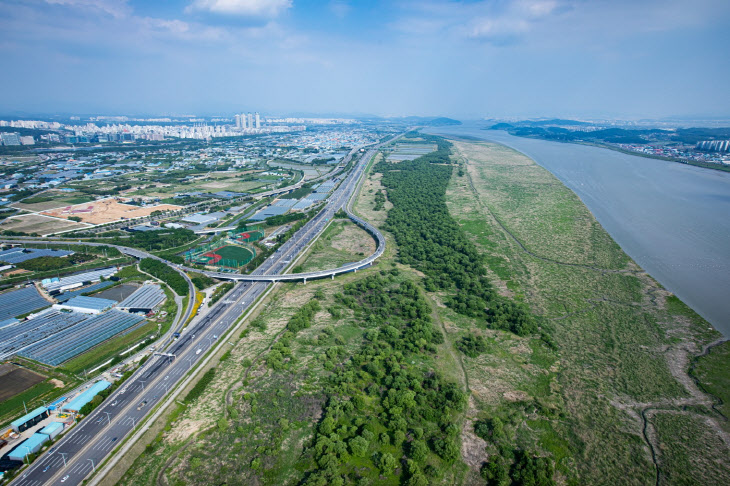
(14,380)
(107,211)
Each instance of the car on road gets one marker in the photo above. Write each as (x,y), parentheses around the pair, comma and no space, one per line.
(114,403)
(46,468)
(142,404)
(199,351)
(63,479)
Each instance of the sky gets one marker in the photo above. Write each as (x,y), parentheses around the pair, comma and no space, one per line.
(626,59)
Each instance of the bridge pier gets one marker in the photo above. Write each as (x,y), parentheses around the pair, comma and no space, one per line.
(333,276)
(305,281)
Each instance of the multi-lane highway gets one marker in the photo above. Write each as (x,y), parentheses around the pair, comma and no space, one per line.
(78,453)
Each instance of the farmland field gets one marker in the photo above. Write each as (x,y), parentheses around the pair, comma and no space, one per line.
(14,380)
(37,223)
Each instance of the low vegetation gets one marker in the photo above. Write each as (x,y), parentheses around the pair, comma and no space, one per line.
(431,241)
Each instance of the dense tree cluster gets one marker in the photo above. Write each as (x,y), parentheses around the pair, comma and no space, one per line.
(379,201)
(201,281)
(200,386)
(472,345)
(526,470)
(47,263)
(155,240)
(430,240)
(386,412)
(162,271)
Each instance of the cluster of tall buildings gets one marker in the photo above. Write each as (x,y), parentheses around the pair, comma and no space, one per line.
(12,138)
(248,120)
(714,145)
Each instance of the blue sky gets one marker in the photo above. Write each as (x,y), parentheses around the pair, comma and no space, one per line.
(466,59)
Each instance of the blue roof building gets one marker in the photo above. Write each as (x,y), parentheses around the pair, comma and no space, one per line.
(87,305)
(52,429)
(28,446)
(29,419)
(83,398)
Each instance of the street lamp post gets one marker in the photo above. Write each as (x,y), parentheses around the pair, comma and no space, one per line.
(108,417)
(63,456)
(93,467)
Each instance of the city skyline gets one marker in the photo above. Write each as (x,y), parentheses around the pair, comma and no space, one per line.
(518,58)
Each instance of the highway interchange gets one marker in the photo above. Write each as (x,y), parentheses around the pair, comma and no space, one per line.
(80,451)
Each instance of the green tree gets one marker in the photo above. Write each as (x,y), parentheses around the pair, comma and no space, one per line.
(387,463)
(359,446)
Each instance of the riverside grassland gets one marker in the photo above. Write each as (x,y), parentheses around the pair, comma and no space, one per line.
(626,410)
(503,338)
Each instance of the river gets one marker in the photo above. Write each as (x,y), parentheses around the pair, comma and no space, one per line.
(672,219)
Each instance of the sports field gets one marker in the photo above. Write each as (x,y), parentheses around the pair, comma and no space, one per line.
(231,254)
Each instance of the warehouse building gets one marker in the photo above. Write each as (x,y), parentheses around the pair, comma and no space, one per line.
(52,430)
(86,305)
(29,420)
(143,300)
(85,397)
(28,446)
(78,280)
(268,212)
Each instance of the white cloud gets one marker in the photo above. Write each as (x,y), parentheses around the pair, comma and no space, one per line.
(339,8)
(245,8)
(115,8)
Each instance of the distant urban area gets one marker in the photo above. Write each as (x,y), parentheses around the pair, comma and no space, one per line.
(693,145)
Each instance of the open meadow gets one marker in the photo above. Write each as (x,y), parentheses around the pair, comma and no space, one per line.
(623,403)
(341,243)
(40,224)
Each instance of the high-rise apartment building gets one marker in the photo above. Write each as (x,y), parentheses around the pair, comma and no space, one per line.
(238,121)
(250,120)
(258,120)
(11,138)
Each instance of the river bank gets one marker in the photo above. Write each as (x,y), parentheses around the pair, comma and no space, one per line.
(670,218)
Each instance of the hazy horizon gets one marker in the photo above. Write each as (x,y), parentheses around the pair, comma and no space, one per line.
(465,60)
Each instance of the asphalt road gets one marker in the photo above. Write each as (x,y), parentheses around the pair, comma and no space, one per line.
(78,452)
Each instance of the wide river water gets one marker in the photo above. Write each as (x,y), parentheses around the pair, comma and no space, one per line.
(672,219)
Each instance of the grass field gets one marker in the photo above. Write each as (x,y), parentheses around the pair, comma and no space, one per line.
(713,372)
(37,223)
(623,344)
(342,242)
